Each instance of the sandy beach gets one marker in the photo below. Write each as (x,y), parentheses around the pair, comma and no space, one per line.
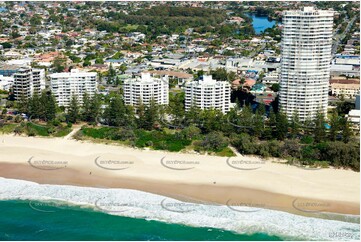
(241,180)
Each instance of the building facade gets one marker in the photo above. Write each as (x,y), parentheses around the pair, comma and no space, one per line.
(22,83)
(305,66)
(64,85)
(180,77)
(38,80)
(144,89)
(6,82)
(208,93)
(28,81)
(345,88)
(354,118)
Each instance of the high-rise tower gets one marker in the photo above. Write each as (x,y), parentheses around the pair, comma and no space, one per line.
(306,55)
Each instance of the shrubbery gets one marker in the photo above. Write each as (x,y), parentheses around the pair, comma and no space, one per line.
(335,153)
(214,141)
(158,140)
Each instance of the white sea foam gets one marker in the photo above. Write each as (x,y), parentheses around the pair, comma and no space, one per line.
(137,204)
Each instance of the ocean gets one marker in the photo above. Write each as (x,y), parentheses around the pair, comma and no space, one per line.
(19,221)
(30,211)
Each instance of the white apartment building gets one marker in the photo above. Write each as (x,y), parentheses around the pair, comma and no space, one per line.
(305,66)
(349,91)
(354,118)
(271,78)
(66,84)
(28,81)
(145,89)
(208,93)
(38,80)
(6,82)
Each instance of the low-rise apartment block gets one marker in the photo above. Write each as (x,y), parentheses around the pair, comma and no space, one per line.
(145,88)
(28,81)
(208,93)
(66,84)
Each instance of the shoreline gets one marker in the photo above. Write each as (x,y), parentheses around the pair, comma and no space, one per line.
(136,204)
(263,183)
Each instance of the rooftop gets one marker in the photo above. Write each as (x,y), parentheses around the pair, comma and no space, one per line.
(73,73)
(173,73)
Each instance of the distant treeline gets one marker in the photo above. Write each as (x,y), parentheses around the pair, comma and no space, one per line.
(167,20)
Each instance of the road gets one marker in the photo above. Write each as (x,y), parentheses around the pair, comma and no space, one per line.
(340,37)
(257,50)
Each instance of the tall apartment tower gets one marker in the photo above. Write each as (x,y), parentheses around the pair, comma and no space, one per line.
(305,66)
(208,93)
(28,81)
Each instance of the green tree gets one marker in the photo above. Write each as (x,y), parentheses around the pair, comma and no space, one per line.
(319,127)
(281,126)
(111,74)
(151,115)
(36,107)
(35,20)
(117,81)
(275,87)
(291,148)
(214,141)
(50,107)
(73,112)
(308,125)
(59,63)
(86,107)
(141,121)
(99,60)
(191,132)
(6,45)
(245,144)
(115,113)
(123,68)
(258,120)
(211,120)
(69,43)
(15,34)
(346,129)
(176,108)
(220,74)
(94,108)
(86,63)
(344,107)
(295,124)
(335,125)
(4,112)
(246,118)
(192,116)
(270,128)
(22,103)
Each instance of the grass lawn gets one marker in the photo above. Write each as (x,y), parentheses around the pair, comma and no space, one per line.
(37,129)
(62,132)
(160,140)
(227,152)
(8,128)
(98,133)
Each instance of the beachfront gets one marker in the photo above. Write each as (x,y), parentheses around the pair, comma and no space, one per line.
(209,179)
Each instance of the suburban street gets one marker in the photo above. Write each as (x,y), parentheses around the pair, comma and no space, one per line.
(340,37)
